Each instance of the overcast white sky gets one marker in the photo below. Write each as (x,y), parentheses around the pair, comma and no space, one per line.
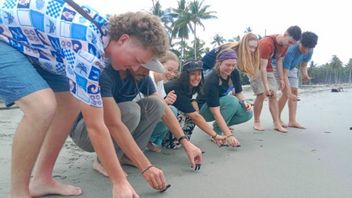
(330,20)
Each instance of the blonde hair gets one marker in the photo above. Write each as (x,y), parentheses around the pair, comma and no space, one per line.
(232,45)
(146,28)
(248,62)
(169,56)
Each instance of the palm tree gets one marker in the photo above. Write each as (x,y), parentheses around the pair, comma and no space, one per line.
(166,16)
(197,13)
(180,27)
(218,40)
(182,46)
(336,65)
(349,67)
(235,38)
(189,52)
(248,29)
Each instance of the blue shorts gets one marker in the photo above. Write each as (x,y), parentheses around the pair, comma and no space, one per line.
(19,77)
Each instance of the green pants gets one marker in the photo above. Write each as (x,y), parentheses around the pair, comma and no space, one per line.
(231,110)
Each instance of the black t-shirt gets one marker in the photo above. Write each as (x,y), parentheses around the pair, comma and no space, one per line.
(123,90)
(216,87)
(184,97)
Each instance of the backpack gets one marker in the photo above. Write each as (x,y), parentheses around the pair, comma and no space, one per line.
(275,48)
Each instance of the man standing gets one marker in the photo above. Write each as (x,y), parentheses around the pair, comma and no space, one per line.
(297,55)
(264,84)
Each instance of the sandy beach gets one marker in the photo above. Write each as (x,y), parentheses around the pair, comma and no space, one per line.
(311,163)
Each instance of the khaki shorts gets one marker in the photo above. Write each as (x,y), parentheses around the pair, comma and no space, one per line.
(257,83)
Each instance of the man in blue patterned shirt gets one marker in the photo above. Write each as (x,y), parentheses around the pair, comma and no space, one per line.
(297,55)
(48,49)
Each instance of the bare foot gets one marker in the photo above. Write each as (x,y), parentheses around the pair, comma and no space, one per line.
(296,125)
(153,147)
(40,188)
(257,126)
(283,124)
(279,128)
(98,167)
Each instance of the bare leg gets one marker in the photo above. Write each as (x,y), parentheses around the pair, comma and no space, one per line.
(258,106)
(100,168)
(274,110)
(43,182)
(38,108)
(292,109)
(282,102)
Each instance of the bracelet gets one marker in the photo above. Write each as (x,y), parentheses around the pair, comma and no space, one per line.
(181,138)
(146,169)
(214,136)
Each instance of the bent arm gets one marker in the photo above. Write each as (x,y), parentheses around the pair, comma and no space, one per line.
(285,78)
(304,71)
(240,96)
(194,153)
(220,120)
(122,135)
(201,123)
(263,73)
(101,141)
(279,65)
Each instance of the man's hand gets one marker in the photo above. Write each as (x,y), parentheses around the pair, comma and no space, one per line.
(194,154)
(170,98)
(123,189)
(268,93)
(306,77)
(292,97)
(289,94)
(282,84)
(155,177)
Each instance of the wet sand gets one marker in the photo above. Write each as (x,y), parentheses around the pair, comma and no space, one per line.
(315,162)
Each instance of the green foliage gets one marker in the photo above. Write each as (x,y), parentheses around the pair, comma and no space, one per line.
(218,40)
(333,72)
(182,21)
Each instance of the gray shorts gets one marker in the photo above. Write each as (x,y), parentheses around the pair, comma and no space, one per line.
(292,77)
(139,117)
(257,83)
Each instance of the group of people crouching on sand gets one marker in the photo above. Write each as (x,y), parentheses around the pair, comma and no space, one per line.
(115,88)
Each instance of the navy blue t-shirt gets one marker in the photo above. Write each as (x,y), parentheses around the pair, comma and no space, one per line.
(209,59)
(216,87)
(123,90)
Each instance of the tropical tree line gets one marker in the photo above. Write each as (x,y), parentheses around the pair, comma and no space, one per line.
(333,72)
(183,22)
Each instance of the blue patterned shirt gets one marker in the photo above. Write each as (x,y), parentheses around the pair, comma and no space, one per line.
(60,40)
